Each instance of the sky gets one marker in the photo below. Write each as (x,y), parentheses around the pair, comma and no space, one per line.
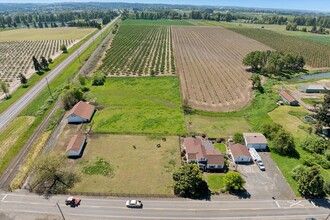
(315,5)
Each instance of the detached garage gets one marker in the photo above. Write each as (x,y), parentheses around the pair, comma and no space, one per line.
(240,153)
(255,140)
(76,146)
(82,112)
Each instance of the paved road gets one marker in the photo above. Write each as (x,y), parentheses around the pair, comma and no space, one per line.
(9,115)
(29,206)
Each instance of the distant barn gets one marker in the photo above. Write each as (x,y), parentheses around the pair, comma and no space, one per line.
(288,98)
(314,89)
(82,112)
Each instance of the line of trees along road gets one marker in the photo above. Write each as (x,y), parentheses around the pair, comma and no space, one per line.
(39,20)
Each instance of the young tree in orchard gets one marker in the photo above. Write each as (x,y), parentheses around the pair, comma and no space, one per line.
(53,175)
(64,49)
(36,64)
(44,63)
(188,182)
(4,88)
(310,182)
(233,181)
(23,79)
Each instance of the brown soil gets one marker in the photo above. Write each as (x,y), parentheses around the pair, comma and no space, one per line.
(209,62)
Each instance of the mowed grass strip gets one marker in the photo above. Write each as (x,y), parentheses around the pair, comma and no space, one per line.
(66,33)
(139,105)
(142,169)
(11,137)
(161,22)
(215,127)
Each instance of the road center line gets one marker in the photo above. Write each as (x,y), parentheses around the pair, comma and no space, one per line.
(278,205)
(3,199)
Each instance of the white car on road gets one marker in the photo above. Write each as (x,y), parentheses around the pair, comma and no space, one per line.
(134,204)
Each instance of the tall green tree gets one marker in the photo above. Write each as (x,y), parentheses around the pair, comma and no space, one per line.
(53,175)
(44,63)
(233,181)
(188,182)
(36,64)
(283,143)
(4,88)
(23,79)
(238,138)
(310,183)
(64,49)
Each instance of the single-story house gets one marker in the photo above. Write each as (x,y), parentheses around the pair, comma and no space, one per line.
(240,153)
(288,98)
(314,89)
(82,112)
(204,154)
(76,145)
(255,140)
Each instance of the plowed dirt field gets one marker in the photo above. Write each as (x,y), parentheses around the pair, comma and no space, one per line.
(209,62)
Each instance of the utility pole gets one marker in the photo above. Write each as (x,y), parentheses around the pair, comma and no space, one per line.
(60,210)
(50,92)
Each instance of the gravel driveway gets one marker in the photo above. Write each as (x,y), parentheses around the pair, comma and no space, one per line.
(265,184)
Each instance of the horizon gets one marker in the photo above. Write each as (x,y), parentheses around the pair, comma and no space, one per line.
(306,5)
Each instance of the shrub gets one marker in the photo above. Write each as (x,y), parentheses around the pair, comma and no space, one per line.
(326,187)
(238,138)
(233,181)
(98,79)
(283,143)
(297,172)
(308,160)
(314,144)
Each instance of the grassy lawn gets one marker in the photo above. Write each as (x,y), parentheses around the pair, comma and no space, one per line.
(215,181)
(215,126)
(293,122)
(221,147)
(312,101)
(145,169)
(72,33)
(139,105)
(164,22)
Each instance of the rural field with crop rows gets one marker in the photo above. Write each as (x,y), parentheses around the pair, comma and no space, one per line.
(16,56)
(315,54)
(209,62)
(140,50)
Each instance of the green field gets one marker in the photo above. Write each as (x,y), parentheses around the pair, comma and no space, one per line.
(139,105)
(66,33)
(312,101)
(215,127)
(162,22)
(145,169)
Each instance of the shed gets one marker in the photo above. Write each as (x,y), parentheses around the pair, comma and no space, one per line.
(240,153)
(315,89)
(76,146)
(82,112)
(288,98)
(255,140)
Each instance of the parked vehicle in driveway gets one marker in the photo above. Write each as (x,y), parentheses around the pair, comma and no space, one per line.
(134,204)
(73,201)
(261,166)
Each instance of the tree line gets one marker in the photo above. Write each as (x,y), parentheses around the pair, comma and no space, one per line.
(27,20)
(273,62)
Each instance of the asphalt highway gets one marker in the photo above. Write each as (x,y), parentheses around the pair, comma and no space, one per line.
(8,116)
(30,206)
